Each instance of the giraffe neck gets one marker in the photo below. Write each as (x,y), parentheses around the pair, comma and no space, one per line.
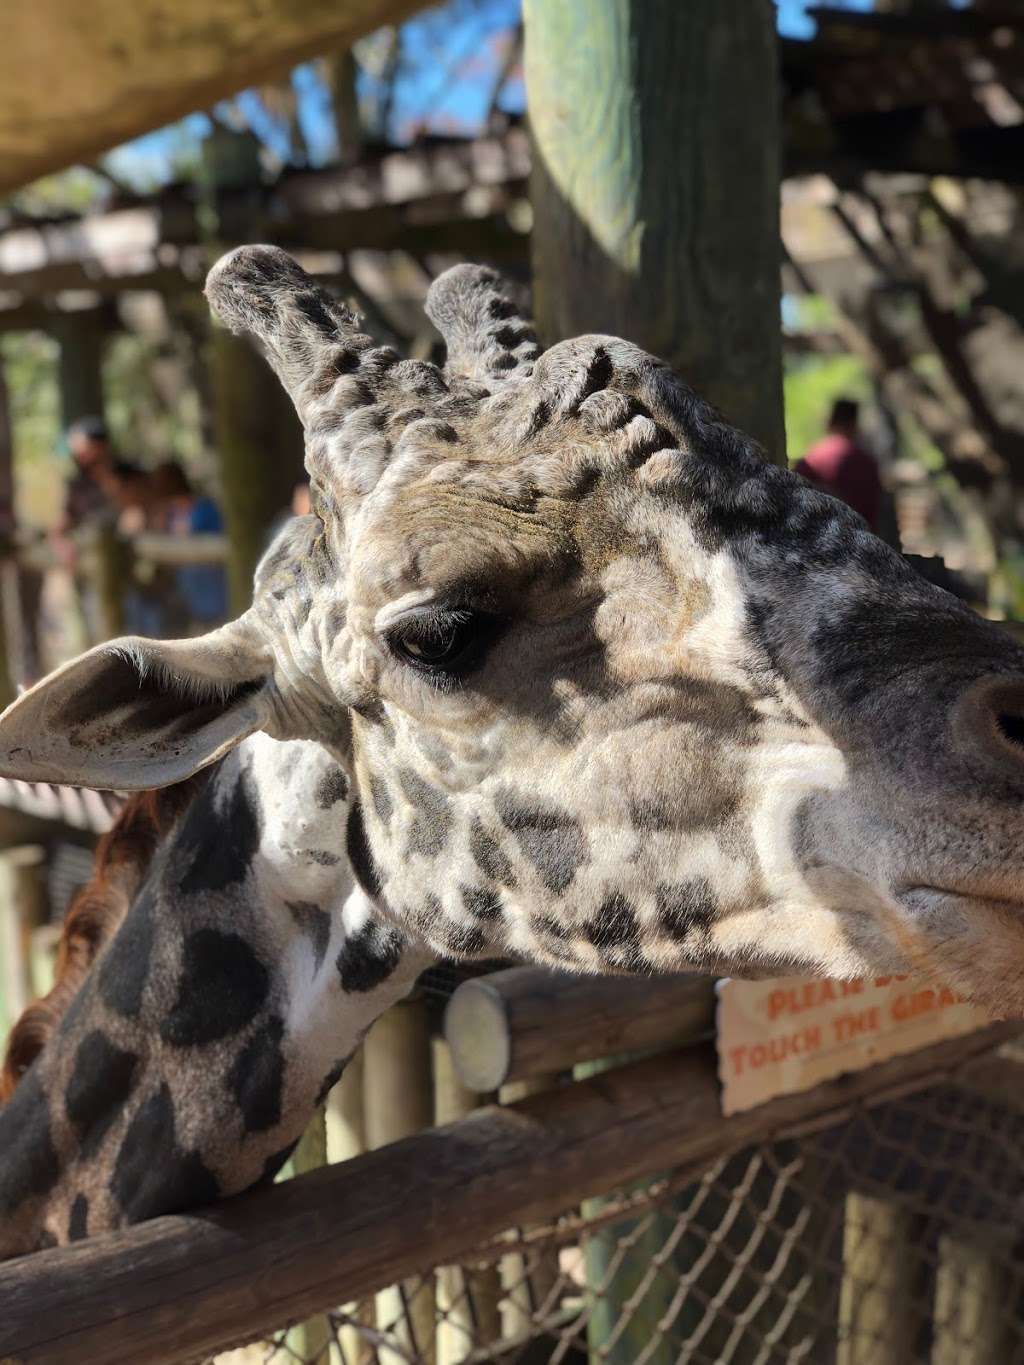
(244,975)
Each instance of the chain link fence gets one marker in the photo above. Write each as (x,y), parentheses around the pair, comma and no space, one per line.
(891,1237)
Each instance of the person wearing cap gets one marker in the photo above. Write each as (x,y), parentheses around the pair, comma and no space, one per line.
(91,498)
(91,491)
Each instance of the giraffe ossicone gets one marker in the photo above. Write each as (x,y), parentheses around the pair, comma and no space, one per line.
(604,689)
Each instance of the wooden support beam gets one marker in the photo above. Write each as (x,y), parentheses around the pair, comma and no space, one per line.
(188,1285)
(525,1022)
(468,1315)
(259,442)
(974,1323)
(656,188)
(879,1301)
(397,1102)
(76,80)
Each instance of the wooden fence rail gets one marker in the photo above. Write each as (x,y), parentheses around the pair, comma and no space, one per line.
(526,1022)
(186,1286)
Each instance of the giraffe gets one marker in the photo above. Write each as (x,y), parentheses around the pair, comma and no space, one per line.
(559,667)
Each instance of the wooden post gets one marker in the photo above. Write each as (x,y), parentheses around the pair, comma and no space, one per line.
(611,1338)
(878,1324)
(346,1138)
(975,1307)
(398,1101)
(259,439)
(259,462)
(110,563)
(525,1022)
(81,337)
(23,911)
(655,188)
(311,1340)
(467,1300)
(528,1279)
(11,625)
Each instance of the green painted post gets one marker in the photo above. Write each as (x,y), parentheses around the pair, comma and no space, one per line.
(259,460)
(625,1317)
(656,188)
(258,436)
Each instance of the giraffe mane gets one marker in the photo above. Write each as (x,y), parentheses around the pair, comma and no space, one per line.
(123,856)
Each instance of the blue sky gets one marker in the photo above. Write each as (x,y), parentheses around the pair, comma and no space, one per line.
(449,55)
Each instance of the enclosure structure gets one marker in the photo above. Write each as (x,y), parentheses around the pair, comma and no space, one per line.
(617,1217)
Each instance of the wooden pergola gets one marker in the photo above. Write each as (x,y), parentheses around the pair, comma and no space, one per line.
(76,80)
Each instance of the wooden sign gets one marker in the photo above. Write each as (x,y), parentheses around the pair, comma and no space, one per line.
(780,1036)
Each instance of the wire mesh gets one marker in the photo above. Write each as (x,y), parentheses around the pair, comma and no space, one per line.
(891,1237)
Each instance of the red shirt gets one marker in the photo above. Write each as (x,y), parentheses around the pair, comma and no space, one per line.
(838,465)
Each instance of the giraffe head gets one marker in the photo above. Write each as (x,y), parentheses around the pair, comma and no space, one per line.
(611,690)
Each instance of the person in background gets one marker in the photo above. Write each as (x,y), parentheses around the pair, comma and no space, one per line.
(90,493)
(841,464)
(201,588)
(145,600)
(91,499)
(302,504)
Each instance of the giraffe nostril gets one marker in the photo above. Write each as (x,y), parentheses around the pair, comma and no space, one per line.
(1011,726)
(988,722)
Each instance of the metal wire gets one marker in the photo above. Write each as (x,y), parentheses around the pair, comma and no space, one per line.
(889,1238)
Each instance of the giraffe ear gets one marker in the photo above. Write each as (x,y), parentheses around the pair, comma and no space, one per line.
(135,714)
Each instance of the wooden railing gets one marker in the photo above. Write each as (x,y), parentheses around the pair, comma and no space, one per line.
(182,1287)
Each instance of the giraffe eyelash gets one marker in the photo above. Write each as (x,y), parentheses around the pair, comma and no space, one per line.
(444,645)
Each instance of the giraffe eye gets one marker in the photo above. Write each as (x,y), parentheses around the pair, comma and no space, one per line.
(446,642)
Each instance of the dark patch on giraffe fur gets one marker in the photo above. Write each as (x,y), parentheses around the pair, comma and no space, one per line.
(597,376)
(360,857)
(481,903)
(336,619)
(222,987)
(78,1223)
(432,823)
(332,788)
(29,1168)
(386,728)
(331,1080)
(275,1162)
(382,802)
(256,1078)
(221,833)
(321,857)
(124,967)
(453,937)
(152,1174)
(685,908)
(488,856)
(315,924)
(549,927)
(102,1078)
(551,838)
(368,957)
(615,931)
(648,813)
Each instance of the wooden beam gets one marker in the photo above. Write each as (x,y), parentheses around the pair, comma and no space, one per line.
(656,188)
(526,1022)
(78,79)
(186,1286)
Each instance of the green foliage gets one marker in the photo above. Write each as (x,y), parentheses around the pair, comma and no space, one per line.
(75,190)
(30,367)
(152,411)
